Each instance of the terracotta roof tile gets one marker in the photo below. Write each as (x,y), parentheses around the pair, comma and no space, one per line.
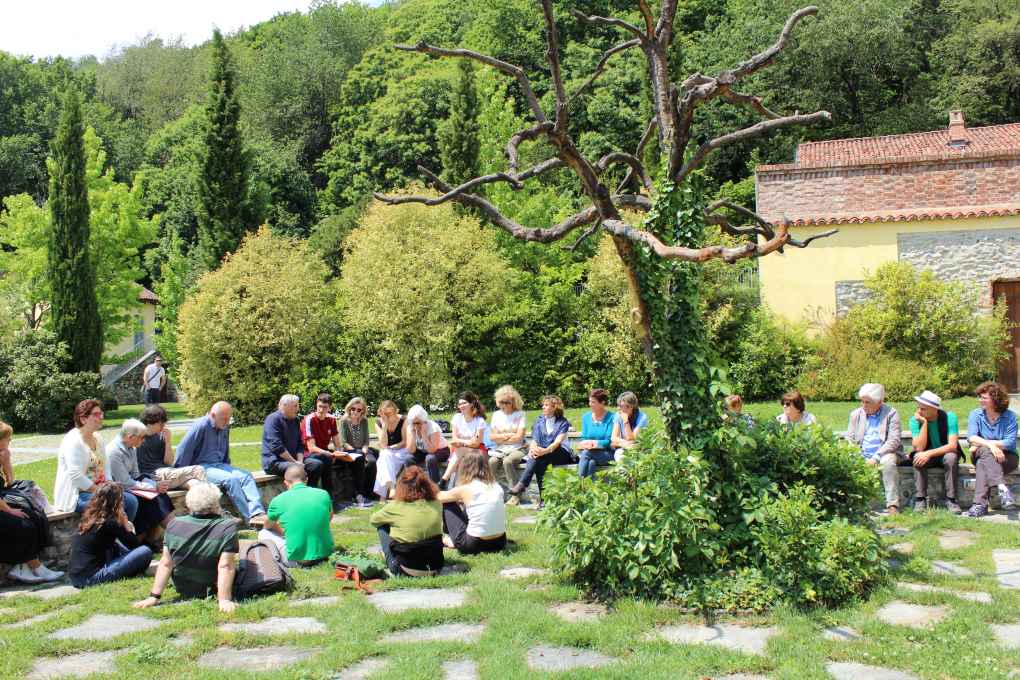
(944,213)
(147,295)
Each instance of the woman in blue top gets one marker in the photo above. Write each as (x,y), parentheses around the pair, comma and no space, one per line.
(549,445)
(596,434)
(628,422)
(991,434)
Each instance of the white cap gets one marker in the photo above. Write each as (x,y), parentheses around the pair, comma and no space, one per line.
(929,398)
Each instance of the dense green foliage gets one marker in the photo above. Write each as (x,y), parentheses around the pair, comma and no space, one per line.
(458,134)
(915,331)
(37,391)
(736,510)
(69,267)
(250,325)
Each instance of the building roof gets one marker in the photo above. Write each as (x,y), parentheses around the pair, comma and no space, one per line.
(147,295)
(938,213)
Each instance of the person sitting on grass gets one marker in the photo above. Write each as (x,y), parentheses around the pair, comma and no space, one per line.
(549,445)
(299,519)
(283,445)
(156,455)
(24,528)
(935,443)
(122,458)
(411,526)
(596,434)
(104,548)
(735,410)
(474,516)
(794,410)
(991,434)
(354,440)
(875,429)
(199,552)
(628,422)
(506,434)
(207,444)
(318,430)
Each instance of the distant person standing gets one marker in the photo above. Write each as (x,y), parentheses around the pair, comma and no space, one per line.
(154,380)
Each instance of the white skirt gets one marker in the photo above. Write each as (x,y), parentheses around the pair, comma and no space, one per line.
(388,467)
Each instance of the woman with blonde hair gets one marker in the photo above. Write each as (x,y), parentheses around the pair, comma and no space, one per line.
(354,438)
(549,445)
(394,448)
(506,436)
(474,516)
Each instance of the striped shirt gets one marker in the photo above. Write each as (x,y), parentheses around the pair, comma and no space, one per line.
(195,543)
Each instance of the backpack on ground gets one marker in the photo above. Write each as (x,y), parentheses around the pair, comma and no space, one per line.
(260,570)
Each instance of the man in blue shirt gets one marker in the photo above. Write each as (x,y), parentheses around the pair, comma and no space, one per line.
(208,444)
(991,434)
(283,446)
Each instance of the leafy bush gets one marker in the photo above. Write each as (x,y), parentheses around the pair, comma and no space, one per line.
(768,355)
(814,561)
(36,395)
(668,524)
(253,325)
(915,332)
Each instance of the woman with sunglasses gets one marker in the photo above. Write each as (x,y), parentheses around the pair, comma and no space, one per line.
(794,412)
(506,434)
(354,439)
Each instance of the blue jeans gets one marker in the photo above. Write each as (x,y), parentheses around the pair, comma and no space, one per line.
(239,485)
(130,504)
(384,542)
(590,458)
(121,563)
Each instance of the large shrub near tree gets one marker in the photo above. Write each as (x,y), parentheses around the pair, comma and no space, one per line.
(252,324)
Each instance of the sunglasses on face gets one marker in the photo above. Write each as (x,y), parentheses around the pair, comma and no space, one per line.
(355,409)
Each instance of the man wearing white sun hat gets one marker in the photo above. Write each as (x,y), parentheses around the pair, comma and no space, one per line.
(936,443)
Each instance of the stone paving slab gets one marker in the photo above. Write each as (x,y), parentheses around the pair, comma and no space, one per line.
(899,613)
(446,632)
(39,618)
(465,669)
(317,601)
(978,596)
(552,659)
(396,601)
(516,573)
(906,548)
(364,669)
(256,658)
(741,676)
(73,666)
(182,640)
(944,568)
(277,625)
(749,640)
(999,517)
(859,671)
(374,549)
(892,531)
(955,539)
(841,634)
(578,612)
(527,519)
(1007,567)
(106,626)
(49,593)
(1007,634)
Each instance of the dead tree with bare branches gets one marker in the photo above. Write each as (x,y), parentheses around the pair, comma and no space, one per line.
(661,255)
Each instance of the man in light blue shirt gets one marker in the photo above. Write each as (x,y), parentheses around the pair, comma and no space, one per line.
(208,444)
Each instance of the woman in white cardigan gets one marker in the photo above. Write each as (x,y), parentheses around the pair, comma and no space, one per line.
(81,462)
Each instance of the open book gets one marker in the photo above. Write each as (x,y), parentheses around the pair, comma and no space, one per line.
(348,456)
(142,492)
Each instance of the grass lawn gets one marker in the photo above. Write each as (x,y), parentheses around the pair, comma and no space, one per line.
(516,618)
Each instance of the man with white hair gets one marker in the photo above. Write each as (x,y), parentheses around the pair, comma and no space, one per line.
(154,507)
(207,443)
(283,445)
(199,552)
(875,428)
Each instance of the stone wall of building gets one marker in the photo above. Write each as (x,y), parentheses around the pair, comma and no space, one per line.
(975,256)
(128,390)
(848,294)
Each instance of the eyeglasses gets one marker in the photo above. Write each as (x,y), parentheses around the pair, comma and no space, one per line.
(787,403)
(504,402)
(97,412)
(355,409)
(461,403)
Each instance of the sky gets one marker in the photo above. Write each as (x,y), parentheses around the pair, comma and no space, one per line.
(74,28)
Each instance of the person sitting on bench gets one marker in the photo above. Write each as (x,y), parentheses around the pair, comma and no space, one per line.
(935,443)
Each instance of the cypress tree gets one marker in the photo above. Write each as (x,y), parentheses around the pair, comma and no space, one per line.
(72,277)
(227,207)
(458,134)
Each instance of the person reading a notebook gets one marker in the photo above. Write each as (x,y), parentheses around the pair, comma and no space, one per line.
(199,552)
(318,430)
(154,507)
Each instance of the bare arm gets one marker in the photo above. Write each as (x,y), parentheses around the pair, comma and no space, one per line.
(163,572)
(458,494)
(225,572)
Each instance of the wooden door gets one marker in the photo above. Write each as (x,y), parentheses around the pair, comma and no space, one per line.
(1009,369)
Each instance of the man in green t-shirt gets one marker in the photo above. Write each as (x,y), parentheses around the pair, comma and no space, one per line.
(936,443)
(299,520)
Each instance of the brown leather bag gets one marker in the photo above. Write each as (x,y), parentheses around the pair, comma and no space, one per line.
(351,575)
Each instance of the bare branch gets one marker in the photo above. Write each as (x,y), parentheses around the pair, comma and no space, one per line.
(646,13)
(749,214)
(747,133)
(521,136)
(764,58)
(806,242)
(510,69)
(635,167)
(493,214)
(635,201)
(728,254)
(587,232)
(552,55)
(601,67)
(664,27)
(762,227)
(594,20)
(748,100)
(649,130)
(538,169)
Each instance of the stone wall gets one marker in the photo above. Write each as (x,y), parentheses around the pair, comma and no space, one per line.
(128,389)
(973,256)
(848,294)
(64,524)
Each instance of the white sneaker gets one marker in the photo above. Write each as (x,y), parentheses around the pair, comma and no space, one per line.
(23,573)
(47,574)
